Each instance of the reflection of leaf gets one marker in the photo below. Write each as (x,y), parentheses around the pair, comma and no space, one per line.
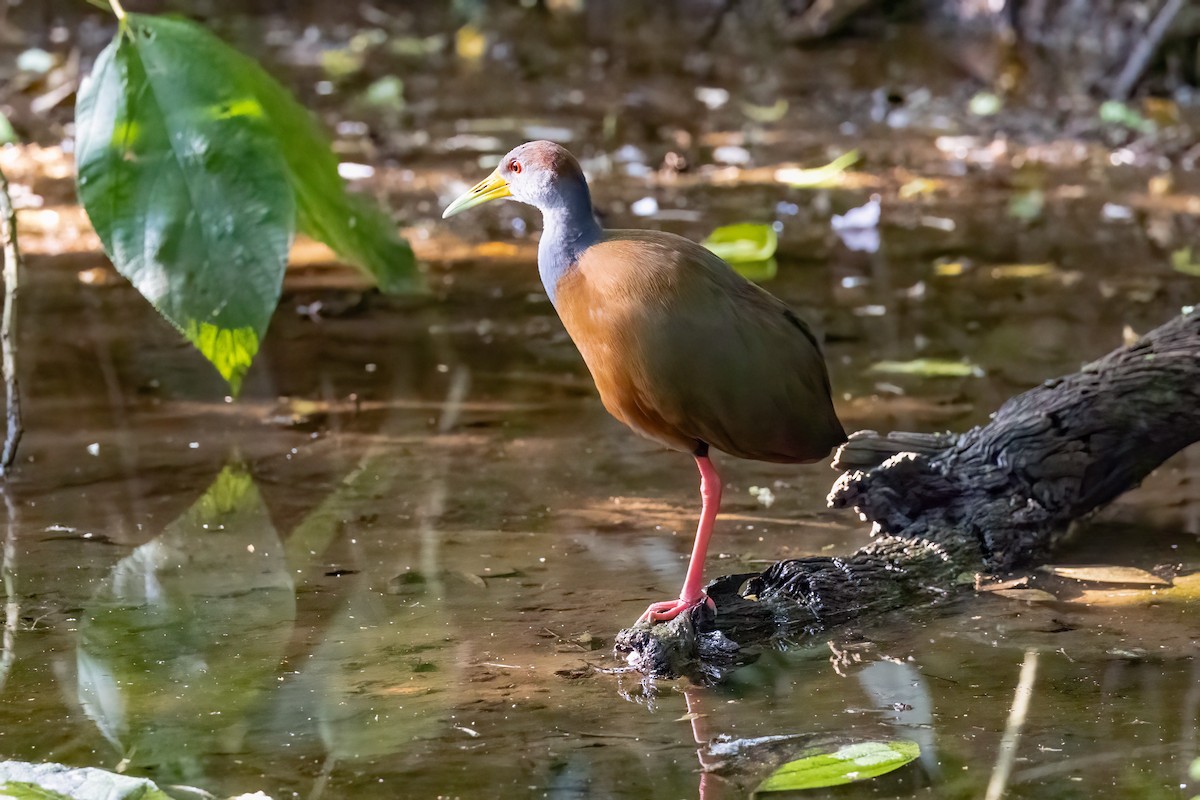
(193,622)
(757,271)
(855,762)
(1100,573)
(929,368)
(23,781)
(383,677)
(816,177)
(743,243)
(387,666)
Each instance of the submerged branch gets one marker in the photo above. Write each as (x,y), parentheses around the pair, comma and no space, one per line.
(8,327)
(997,497)
(8,572)
(1147,46)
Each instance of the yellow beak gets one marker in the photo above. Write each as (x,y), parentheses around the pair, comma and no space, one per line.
(493,187)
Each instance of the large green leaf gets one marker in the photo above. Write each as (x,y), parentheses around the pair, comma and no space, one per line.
(352,227)
(182,179)
(20,780)
(194,166)
(854,762)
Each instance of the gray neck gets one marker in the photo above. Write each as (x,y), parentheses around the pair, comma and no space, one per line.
(567,230)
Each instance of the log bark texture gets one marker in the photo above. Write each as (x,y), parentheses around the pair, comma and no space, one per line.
(995,498)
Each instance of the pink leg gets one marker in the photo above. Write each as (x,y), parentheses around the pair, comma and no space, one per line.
(692,594)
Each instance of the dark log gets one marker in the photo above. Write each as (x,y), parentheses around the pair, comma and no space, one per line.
(943,507)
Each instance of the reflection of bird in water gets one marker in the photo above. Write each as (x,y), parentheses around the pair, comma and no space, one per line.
(683,349)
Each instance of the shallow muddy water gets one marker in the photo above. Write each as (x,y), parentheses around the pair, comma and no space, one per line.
(394,566)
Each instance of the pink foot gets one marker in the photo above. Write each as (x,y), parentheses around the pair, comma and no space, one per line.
(670,609)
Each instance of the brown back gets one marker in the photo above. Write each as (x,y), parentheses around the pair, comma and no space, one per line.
(684,350)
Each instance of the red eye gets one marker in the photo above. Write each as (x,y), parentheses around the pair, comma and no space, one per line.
(514,167)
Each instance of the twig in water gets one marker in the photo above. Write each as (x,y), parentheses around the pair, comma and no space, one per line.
(8,325)
(12,609)
(1146,47)
(1012,728)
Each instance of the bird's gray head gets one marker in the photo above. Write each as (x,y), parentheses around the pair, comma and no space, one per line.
(541,173)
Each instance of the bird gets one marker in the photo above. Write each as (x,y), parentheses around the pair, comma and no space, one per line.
(682,349)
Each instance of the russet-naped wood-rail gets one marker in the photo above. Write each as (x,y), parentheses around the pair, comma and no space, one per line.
(683,349)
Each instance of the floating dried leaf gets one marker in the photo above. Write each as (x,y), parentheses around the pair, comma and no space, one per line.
(765,114)
(949,269)
(1029,595)
(918,187)
(1104,573)
(805,178)
(1008,271)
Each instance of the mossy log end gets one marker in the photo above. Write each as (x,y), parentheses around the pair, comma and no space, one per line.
(995,498)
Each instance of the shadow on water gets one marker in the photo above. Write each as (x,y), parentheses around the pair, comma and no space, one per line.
(395,565)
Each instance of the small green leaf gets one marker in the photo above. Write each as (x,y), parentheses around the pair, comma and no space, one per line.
(766,114)
(817,177)
(929,368)
(386,94)
(1183,261)
(342,63)
(985,104)
(1027,206)
(7,134)
(855,762)
(743,243)
(35,60)
(1114,112)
